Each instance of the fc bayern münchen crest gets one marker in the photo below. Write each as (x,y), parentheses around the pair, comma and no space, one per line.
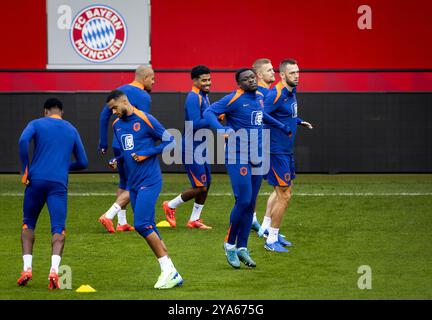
(98,33)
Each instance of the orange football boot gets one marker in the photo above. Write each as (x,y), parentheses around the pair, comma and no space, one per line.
(26,276)
(53,280)
(125,227)
(197,224)
(107,223)
(169,214)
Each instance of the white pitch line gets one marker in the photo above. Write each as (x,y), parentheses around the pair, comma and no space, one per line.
(300,194)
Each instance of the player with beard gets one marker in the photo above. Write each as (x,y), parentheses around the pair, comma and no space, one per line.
(281,103)
(138,95)
(138,134)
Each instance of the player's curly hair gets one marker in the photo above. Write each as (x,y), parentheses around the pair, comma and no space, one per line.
(197,71)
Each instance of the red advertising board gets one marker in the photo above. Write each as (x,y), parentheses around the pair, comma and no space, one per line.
(324,36)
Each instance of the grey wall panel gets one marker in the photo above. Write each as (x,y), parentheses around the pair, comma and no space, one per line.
(353,132)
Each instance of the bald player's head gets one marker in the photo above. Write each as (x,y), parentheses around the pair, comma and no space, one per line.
(145,76)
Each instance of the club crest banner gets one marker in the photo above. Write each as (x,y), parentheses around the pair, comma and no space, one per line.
(110,34)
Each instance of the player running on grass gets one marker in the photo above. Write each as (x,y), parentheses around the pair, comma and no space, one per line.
(199,175)
(266,76)
(243,111)
(264,71)
(137,133)
(281,103)
(46,178)
(137,93)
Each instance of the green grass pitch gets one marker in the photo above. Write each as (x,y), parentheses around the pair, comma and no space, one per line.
(336,223)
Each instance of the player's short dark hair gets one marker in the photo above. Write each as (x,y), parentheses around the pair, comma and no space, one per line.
(240,71)
(286,62)
(53,103)
(115,94)
(197,71)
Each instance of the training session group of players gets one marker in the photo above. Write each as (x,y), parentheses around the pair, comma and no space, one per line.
(138,138)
